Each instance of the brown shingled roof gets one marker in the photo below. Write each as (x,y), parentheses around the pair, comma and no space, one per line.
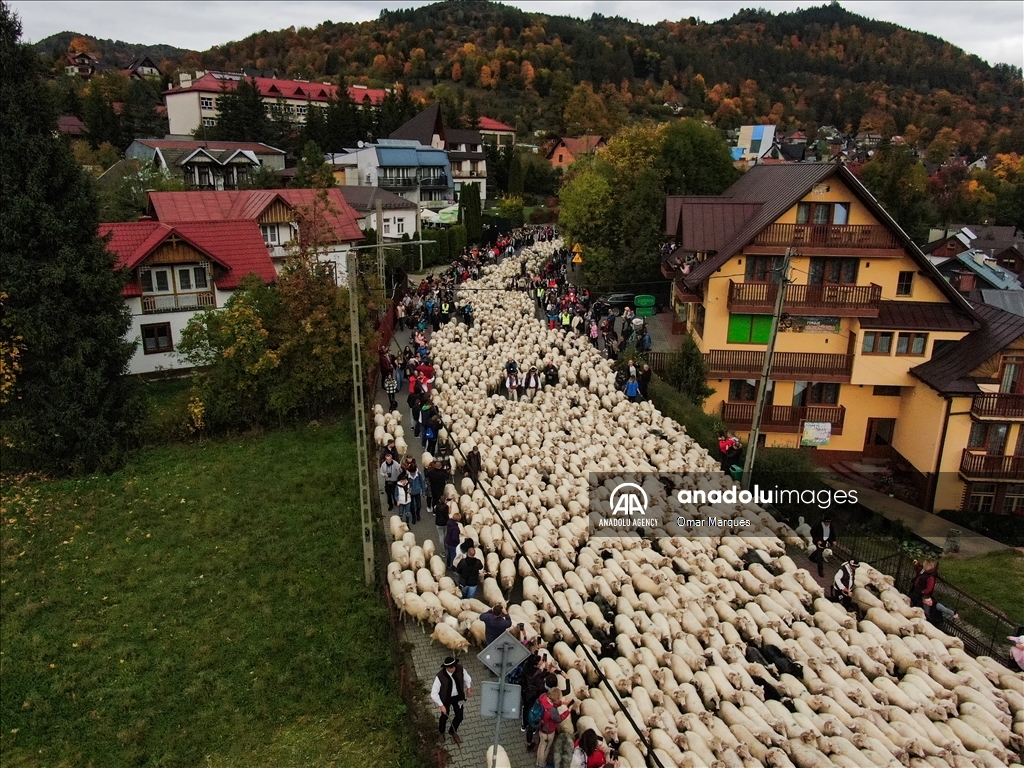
(708,222)
(778,188)
(950,372)
(919,316)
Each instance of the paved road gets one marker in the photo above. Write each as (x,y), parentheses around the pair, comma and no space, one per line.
(477,733)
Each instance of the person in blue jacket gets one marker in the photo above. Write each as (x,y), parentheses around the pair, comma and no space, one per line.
(632,389)
(417,484)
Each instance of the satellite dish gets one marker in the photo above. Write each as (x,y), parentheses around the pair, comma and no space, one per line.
(361,144)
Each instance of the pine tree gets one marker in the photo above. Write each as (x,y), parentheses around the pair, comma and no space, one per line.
(242,115)
(516,174)
(72,407)
(312,170)
(470,215)
(689,372)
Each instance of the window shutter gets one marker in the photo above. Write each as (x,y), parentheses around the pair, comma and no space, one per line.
(762,329)
(739,329)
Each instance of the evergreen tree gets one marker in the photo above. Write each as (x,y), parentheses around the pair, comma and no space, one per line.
(139,118)
(516,174)
(470,214)
(315,127)
(344,123)
(102,124)
(689,372)
(242,115)
(73,406)
(312,170)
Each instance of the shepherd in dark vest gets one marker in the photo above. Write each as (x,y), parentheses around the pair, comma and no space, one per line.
(451,688)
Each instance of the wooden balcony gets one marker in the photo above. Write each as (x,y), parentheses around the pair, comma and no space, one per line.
(783,418)
(829,239)
(177,302)
(786,366)
(980,466)
(803,299)
(997,405)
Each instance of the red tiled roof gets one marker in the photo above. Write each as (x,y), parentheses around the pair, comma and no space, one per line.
(489,124)
(237,246)
(249,204)
(248,146)
(70,125)
(273,88)
(581,145)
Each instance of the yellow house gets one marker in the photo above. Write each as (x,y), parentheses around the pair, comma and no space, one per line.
(974,404)
(862,308)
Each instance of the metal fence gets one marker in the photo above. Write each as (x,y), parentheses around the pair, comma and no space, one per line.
(982,629)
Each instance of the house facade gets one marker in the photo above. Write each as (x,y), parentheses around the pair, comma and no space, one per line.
(282,217)
(971,407)
(398,215)
(82,65)
(194,102)
(464,148)
(568,150)
(206,164)
(420,174)
(863,307)
(495,133)
(142,67)
(178,270)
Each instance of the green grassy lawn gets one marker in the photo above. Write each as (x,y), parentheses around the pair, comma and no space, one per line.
(995,579)
(204,606)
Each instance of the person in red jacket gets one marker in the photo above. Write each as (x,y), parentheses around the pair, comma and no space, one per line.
(549,722)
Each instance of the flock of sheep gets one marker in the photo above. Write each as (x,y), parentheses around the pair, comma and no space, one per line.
(722,651)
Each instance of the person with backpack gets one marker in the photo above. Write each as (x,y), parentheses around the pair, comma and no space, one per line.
(537,678)
(552,716)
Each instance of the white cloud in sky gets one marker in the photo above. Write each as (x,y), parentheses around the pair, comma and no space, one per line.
(994,29)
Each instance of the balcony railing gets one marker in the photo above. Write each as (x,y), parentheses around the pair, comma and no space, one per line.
(998,405)
(404,183)
(832,300)
(177,302)
(786,366)
(783,418)
(438,181)
(841,236)
(980,466)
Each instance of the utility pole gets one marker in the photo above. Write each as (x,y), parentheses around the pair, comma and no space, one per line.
(380,247)
(766,371)
(359,407)
(419,233)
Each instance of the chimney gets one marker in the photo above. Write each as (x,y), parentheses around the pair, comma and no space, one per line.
(185,79)
(145,218)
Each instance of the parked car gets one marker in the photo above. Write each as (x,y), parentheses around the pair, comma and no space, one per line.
(619,301)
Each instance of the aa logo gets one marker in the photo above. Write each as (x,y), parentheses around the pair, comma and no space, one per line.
(628,499)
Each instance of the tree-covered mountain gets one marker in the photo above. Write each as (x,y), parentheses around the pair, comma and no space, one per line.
(113,53)
(804,69)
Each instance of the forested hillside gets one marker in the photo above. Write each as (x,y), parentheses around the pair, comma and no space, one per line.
(113,53)
(804,69)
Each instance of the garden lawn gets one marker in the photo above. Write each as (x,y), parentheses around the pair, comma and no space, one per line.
(204,606)
(994,578)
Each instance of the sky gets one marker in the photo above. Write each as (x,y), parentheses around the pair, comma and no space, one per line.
(992,29)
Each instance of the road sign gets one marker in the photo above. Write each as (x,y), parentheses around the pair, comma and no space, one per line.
(516,653)
(577,259)
(510,701)
(577,248)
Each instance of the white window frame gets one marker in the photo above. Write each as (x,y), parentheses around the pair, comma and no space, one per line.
(270,233)
(206,102)
(399,225)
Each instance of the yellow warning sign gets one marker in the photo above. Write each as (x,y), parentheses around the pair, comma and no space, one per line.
(577,248)
(577,259)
